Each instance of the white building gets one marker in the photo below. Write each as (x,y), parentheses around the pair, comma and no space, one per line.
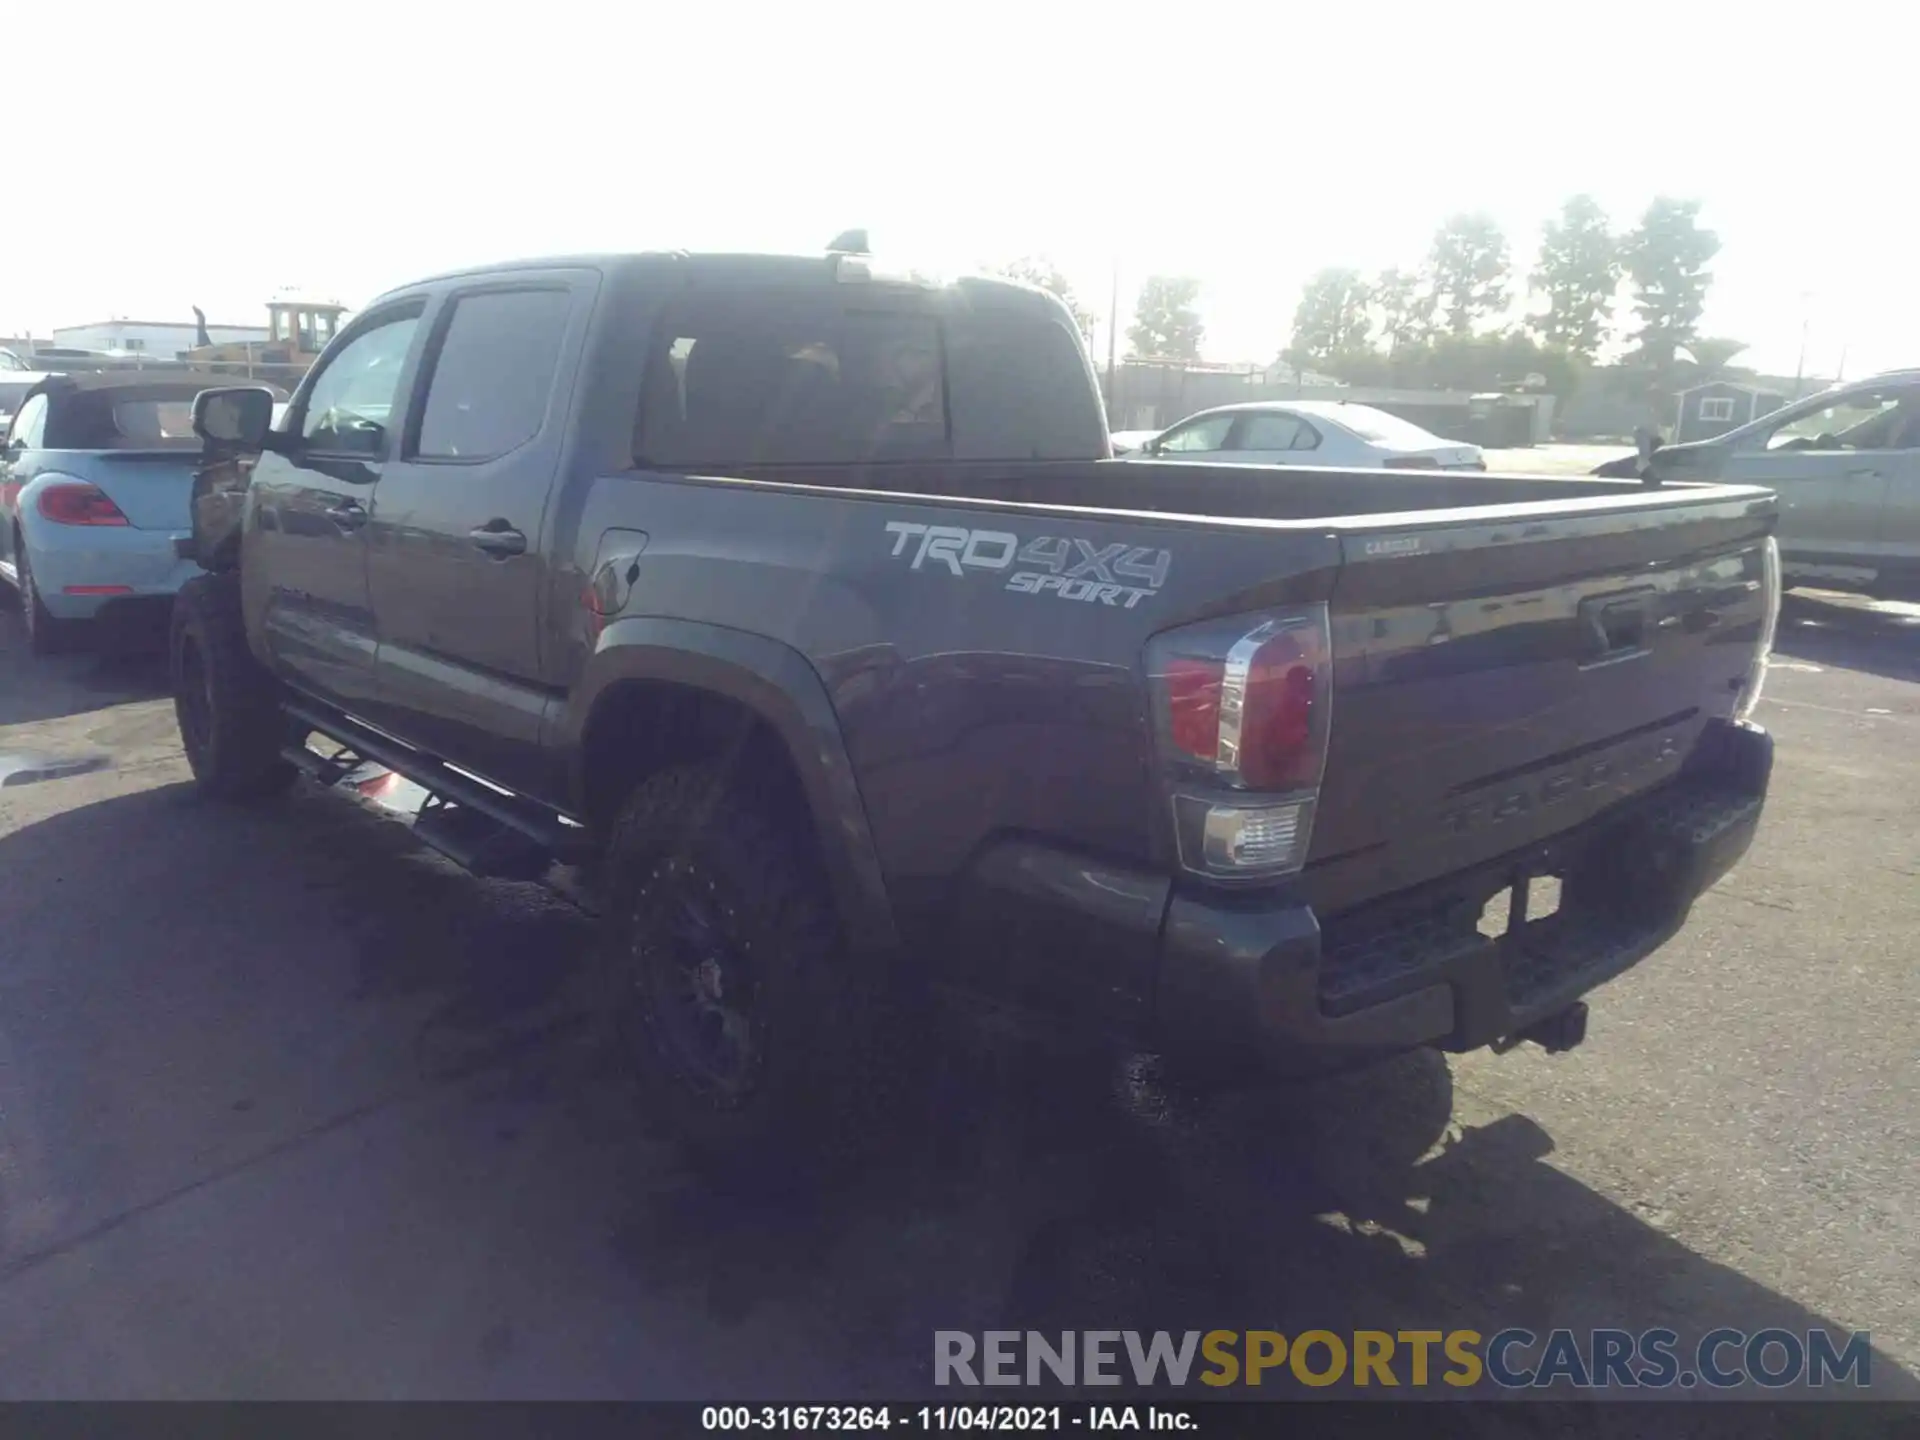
(163,340)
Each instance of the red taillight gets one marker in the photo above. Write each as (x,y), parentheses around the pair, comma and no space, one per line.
(1243,716)
(75,503)
(1250,713)
(1193,705)
(1276,749)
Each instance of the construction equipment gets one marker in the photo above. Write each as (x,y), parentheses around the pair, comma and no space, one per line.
(298,329)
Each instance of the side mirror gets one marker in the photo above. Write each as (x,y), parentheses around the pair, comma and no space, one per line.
(1152,447)
(237,419)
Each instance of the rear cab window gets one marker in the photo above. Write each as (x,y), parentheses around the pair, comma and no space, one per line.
(839,378)
(1020,389)
(740,380)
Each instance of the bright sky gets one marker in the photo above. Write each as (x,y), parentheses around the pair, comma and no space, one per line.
(348,147)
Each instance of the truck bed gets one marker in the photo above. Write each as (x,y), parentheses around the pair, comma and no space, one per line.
(1214,492)
(1462,611)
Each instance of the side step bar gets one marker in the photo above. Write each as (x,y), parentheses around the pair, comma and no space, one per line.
(472,824)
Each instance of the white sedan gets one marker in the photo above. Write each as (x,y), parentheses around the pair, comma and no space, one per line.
(1329,433)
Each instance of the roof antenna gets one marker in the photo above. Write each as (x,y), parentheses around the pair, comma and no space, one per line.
(850,242)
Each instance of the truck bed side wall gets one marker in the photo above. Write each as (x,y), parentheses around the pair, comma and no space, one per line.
(979,714)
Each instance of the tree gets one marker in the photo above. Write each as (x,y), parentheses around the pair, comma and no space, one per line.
(1578,271)
(1468,266)
(1404,311)
(1166,320)
(1331,319)
(1501,360)
(1666,258)
(1042,272)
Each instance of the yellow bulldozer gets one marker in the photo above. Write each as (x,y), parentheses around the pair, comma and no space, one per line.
(297,331)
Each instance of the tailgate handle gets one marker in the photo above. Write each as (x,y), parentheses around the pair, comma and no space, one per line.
(1616,625)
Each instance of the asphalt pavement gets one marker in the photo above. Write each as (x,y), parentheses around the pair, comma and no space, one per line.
(291,1108)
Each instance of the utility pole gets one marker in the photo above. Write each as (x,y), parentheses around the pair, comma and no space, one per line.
(1113,342)
(1800,365)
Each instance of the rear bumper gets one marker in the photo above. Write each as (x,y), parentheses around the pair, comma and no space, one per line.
(110,566)
(1271,983)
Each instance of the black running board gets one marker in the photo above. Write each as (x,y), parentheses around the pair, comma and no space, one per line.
(474,825)
(479,843)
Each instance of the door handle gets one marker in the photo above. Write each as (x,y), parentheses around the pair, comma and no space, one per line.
(348,514)
(499,539)
(1863,474)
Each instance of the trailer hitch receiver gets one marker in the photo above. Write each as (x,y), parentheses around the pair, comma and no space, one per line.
(1558,1033)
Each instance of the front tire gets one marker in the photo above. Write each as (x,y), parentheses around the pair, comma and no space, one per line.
(753,1029)
(227,706)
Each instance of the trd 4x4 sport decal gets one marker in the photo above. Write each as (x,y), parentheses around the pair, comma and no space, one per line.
(1074,569)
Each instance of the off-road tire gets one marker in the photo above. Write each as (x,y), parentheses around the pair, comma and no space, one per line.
(818,1013)
(46,633)
(226,704)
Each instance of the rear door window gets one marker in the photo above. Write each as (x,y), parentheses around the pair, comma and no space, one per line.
(1268,432)
(1198,436)
(744,380)
(493,378)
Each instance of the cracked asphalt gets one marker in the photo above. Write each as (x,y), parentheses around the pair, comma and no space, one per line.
(291,1108)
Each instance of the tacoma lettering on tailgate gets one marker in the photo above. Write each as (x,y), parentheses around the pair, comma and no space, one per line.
(1523,797)
(1069,569)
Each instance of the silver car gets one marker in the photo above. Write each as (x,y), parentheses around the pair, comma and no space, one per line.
(1846,465)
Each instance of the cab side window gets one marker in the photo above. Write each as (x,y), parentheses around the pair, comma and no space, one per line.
(350,406)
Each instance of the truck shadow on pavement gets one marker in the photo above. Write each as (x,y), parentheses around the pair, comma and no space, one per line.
(364,985)
(1879,640)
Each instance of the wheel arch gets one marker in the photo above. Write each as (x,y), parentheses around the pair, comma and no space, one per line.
(659,691)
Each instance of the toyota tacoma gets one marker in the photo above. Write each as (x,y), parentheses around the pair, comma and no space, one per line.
(804,610)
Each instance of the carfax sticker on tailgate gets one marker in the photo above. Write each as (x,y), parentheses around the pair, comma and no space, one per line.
(1068,569)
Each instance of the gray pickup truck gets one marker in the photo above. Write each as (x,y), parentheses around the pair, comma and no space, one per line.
(805,611)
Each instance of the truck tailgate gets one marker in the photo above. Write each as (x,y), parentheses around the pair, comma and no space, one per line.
(1498,682)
